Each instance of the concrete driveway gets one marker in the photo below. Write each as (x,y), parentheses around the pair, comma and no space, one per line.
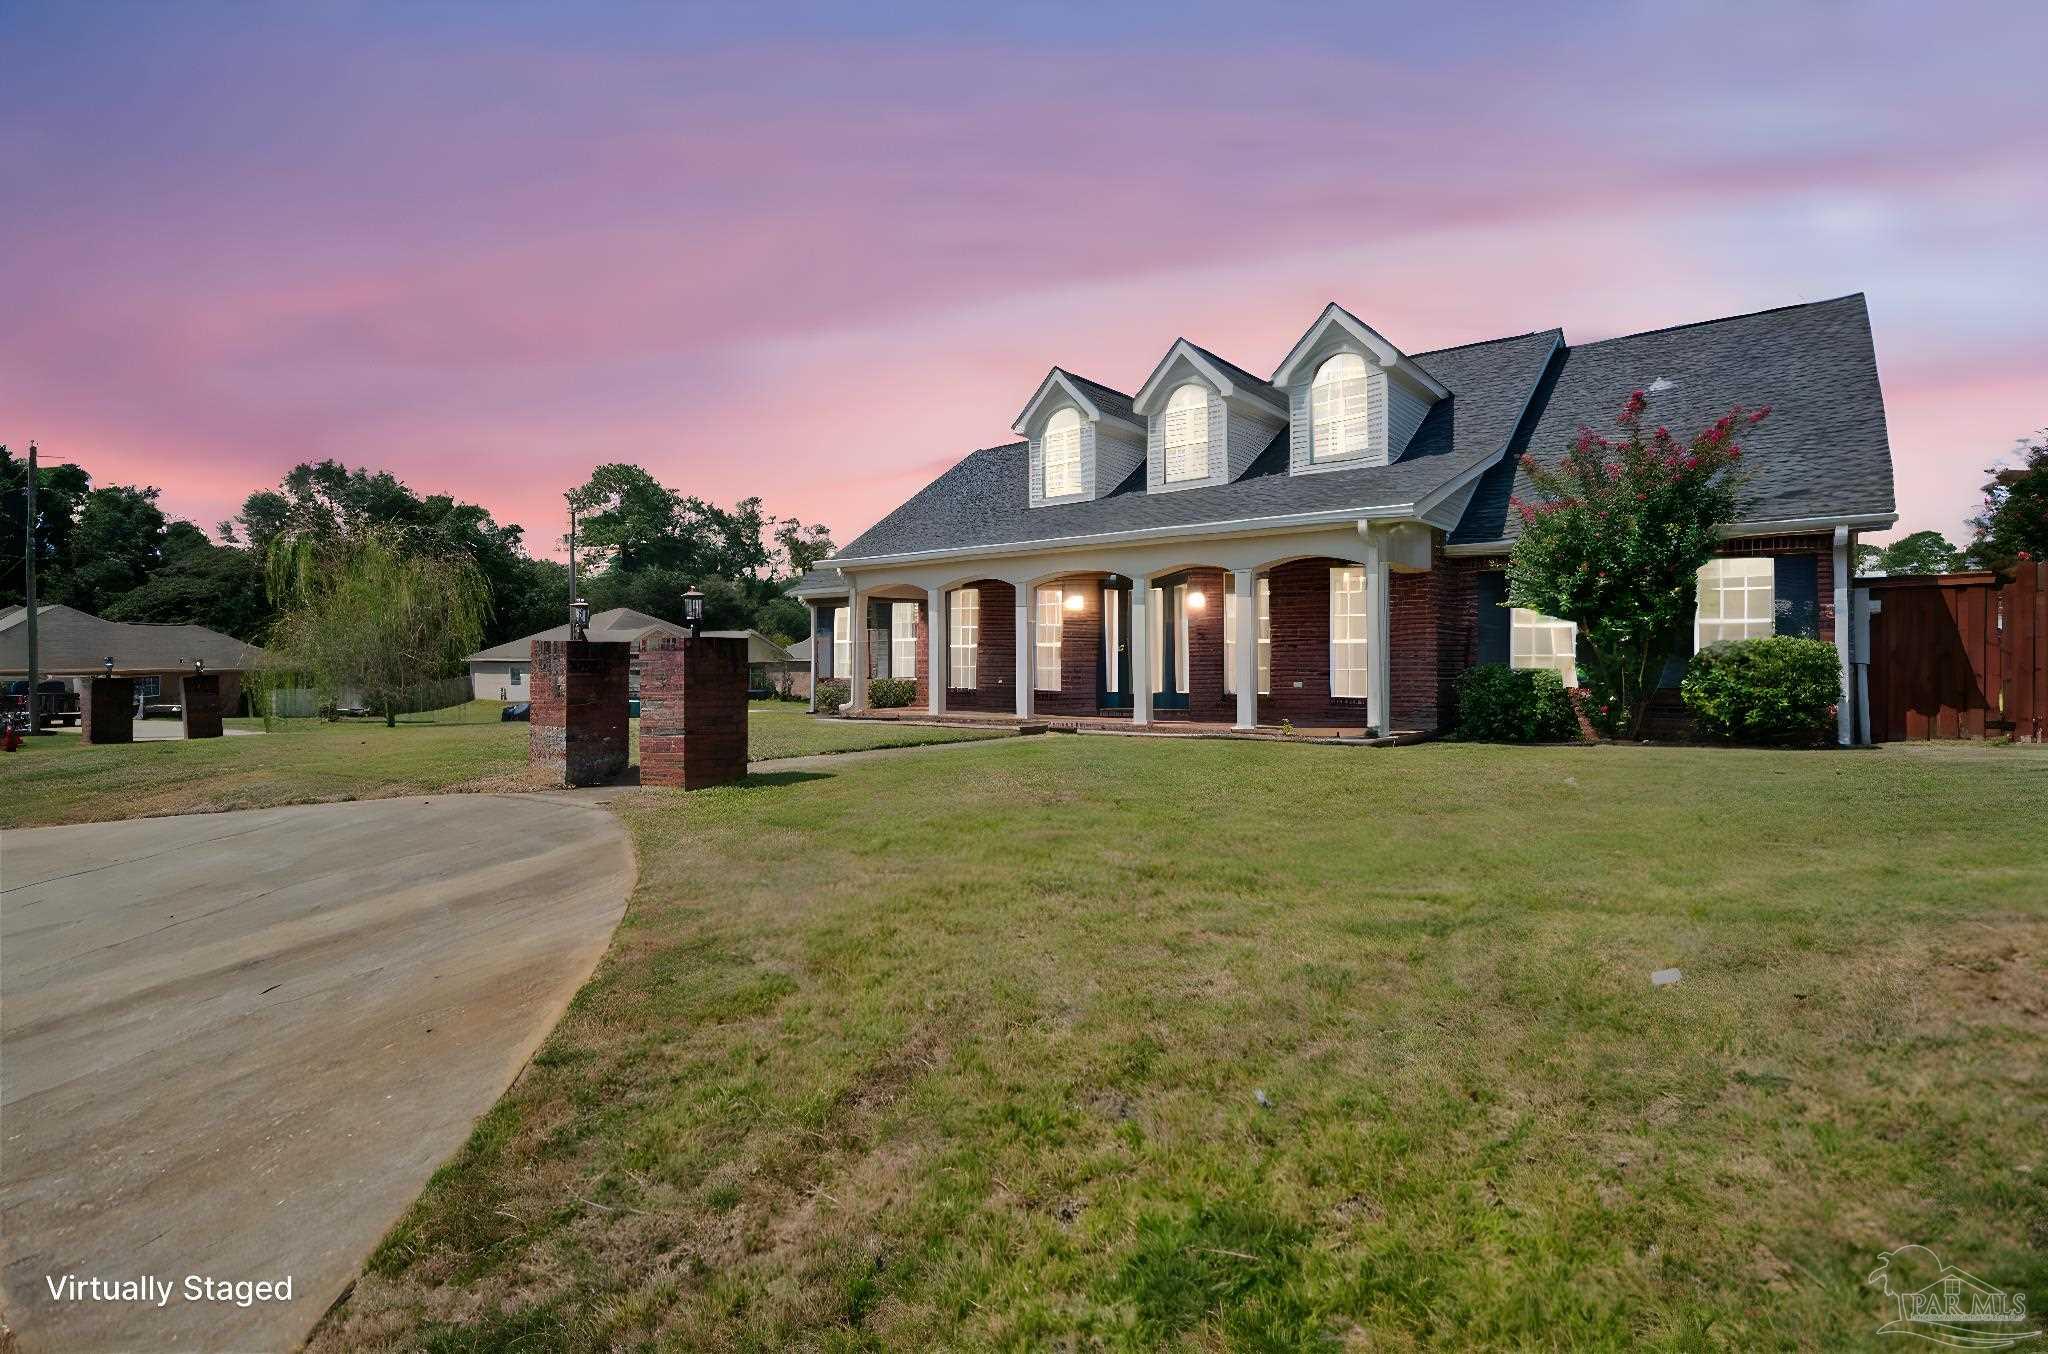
(234,1046)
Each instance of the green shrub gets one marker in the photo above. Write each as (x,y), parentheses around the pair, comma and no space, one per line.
(1498,704)
(891,693)
(1776,690)
(832,695)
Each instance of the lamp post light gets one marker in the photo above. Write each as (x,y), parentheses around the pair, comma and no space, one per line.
(693,609)
(198,667)
(109,665)
(579,619)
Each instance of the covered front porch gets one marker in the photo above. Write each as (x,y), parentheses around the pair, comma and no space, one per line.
(1334,631)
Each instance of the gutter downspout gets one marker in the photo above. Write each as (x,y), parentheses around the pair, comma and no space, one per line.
(1845,726)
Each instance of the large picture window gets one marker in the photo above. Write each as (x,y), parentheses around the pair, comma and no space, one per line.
(1187,434)
(1063,454)
(1737,600)
(1046,640)
(963,634)
(1263,609)
(1348,633)
(903,640)
(842,645)
(1338,399)
(1539,641)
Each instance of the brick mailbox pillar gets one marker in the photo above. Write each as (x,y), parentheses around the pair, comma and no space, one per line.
(579,720)
(693,712)
(107,714)
(202,705)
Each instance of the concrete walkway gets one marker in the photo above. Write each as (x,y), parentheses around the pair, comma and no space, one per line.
(236,1045)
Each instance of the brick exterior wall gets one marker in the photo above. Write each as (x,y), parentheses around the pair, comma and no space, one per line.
(1080,651)
(693,712)
(1300,609)
(995,653)
(1819,544)
(202,705)
(107,711)
(579,724)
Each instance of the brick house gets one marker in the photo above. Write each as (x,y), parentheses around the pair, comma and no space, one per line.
(1326,544)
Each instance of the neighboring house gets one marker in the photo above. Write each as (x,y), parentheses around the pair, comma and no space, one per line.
(796,674)
(503,671)
(1325,546)
(74,646)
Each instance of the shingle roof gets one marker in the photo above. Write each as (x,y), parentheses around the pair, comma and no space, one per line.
(1257,385)
(983,501)
(619,625)
(1108,399)
(72,641)
(1823,452)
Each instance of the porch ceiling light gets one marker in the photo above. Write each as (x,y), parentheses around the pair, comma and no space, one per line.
(1196,600)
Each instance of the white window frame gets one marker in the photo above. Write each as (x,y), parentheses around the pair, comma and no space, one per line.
(1180,647)
(1157,648)
(903,640)
(1045,639)
(963,636)
(1112,634)
(515,675)
(1340,412)
(1539,641)
(842,644)
(149,688)
(1350,634)
(1184,434)
(1263,607)
(1750,582)
(1060,454)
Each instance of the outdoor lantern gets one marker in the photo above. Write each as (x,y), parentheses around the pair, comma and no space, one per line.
(199,667)
(1196,601)
(693,608)
(579,618)
(1076,601)
(109,665)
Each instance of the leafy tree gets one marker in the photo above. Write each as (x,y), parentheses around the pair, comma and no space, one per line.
(370,613)
(115,547)
(200,583)
(800,547)
(60,493)
(1923,552)
(2013,526)
(1614,543)
(629,521)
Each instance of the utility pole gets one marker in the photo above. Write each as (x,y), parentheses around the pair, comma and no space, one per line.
(35,676)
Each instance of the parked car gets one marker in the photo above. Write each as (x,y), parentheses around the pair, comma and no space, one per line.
(516,710)
(58,702)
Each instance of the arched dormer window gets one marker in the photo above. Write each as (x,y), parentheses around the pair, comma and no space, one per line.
(1187,433)
(1063,454)
(1338,399)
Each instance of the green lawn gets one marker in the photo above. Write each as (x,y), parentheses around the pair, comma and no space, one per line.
(1093,1041)
(57,779)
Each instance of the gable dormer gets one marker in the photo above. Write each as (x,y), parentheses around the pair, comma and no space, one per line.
(1353,398)
(1085,439)
(1206,420)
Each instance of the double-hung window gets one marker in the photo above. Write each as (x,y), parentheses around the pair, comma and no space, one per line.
(1062,454)
(1737,600)
(1263,608)
(1348,633)
(903,640)
(964,629)
(1046,640)
(842,644)
(1340,425)
(1539,641)
(1187,434)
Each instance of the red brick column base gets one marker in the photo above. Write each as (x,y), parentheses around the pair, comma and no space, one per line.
(693,712)
(107,714)
(579,722)
(202,705)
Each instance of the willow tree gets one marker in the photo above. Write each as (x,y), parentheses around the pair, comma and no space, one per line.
(372,613)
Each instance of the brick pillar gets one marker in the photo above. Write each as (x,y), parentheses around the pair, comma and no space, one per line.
(202,705)
(107,715)
(693,712)
(579,721)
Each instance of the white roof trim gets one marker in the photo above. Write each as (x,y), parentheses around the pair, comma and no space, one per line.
(1781,526)
(1056,379)
(1363,334)
(1155,387)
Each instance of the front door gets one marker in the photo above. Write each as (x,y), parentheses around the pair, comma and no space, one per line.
(1169,647)
(1113,683)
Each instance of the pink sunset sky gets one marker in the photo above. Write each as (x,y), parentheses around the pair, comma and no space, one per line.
(818,255)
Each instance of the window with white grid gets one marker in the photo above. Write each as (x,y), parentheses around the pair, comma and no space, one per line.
(903,640)
(963,635)
(1348,633)
(1539,641)
(1112,640)
(1187,433)
(1062,454)
(1180,654)
(1737,600)
(1337,399)
(1051,603)
(842,644)
(1263,609)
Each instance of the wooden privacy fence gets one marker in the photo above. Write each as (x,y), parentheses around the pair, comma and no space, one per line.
(1959,655)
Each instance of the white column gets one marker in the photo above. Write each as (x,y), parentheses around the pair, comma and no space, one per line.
(1845,550)
(812,608)
(857,649)
(1379,680)
(936,653)
(1245,584)
(1026,667)
(1141,650)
